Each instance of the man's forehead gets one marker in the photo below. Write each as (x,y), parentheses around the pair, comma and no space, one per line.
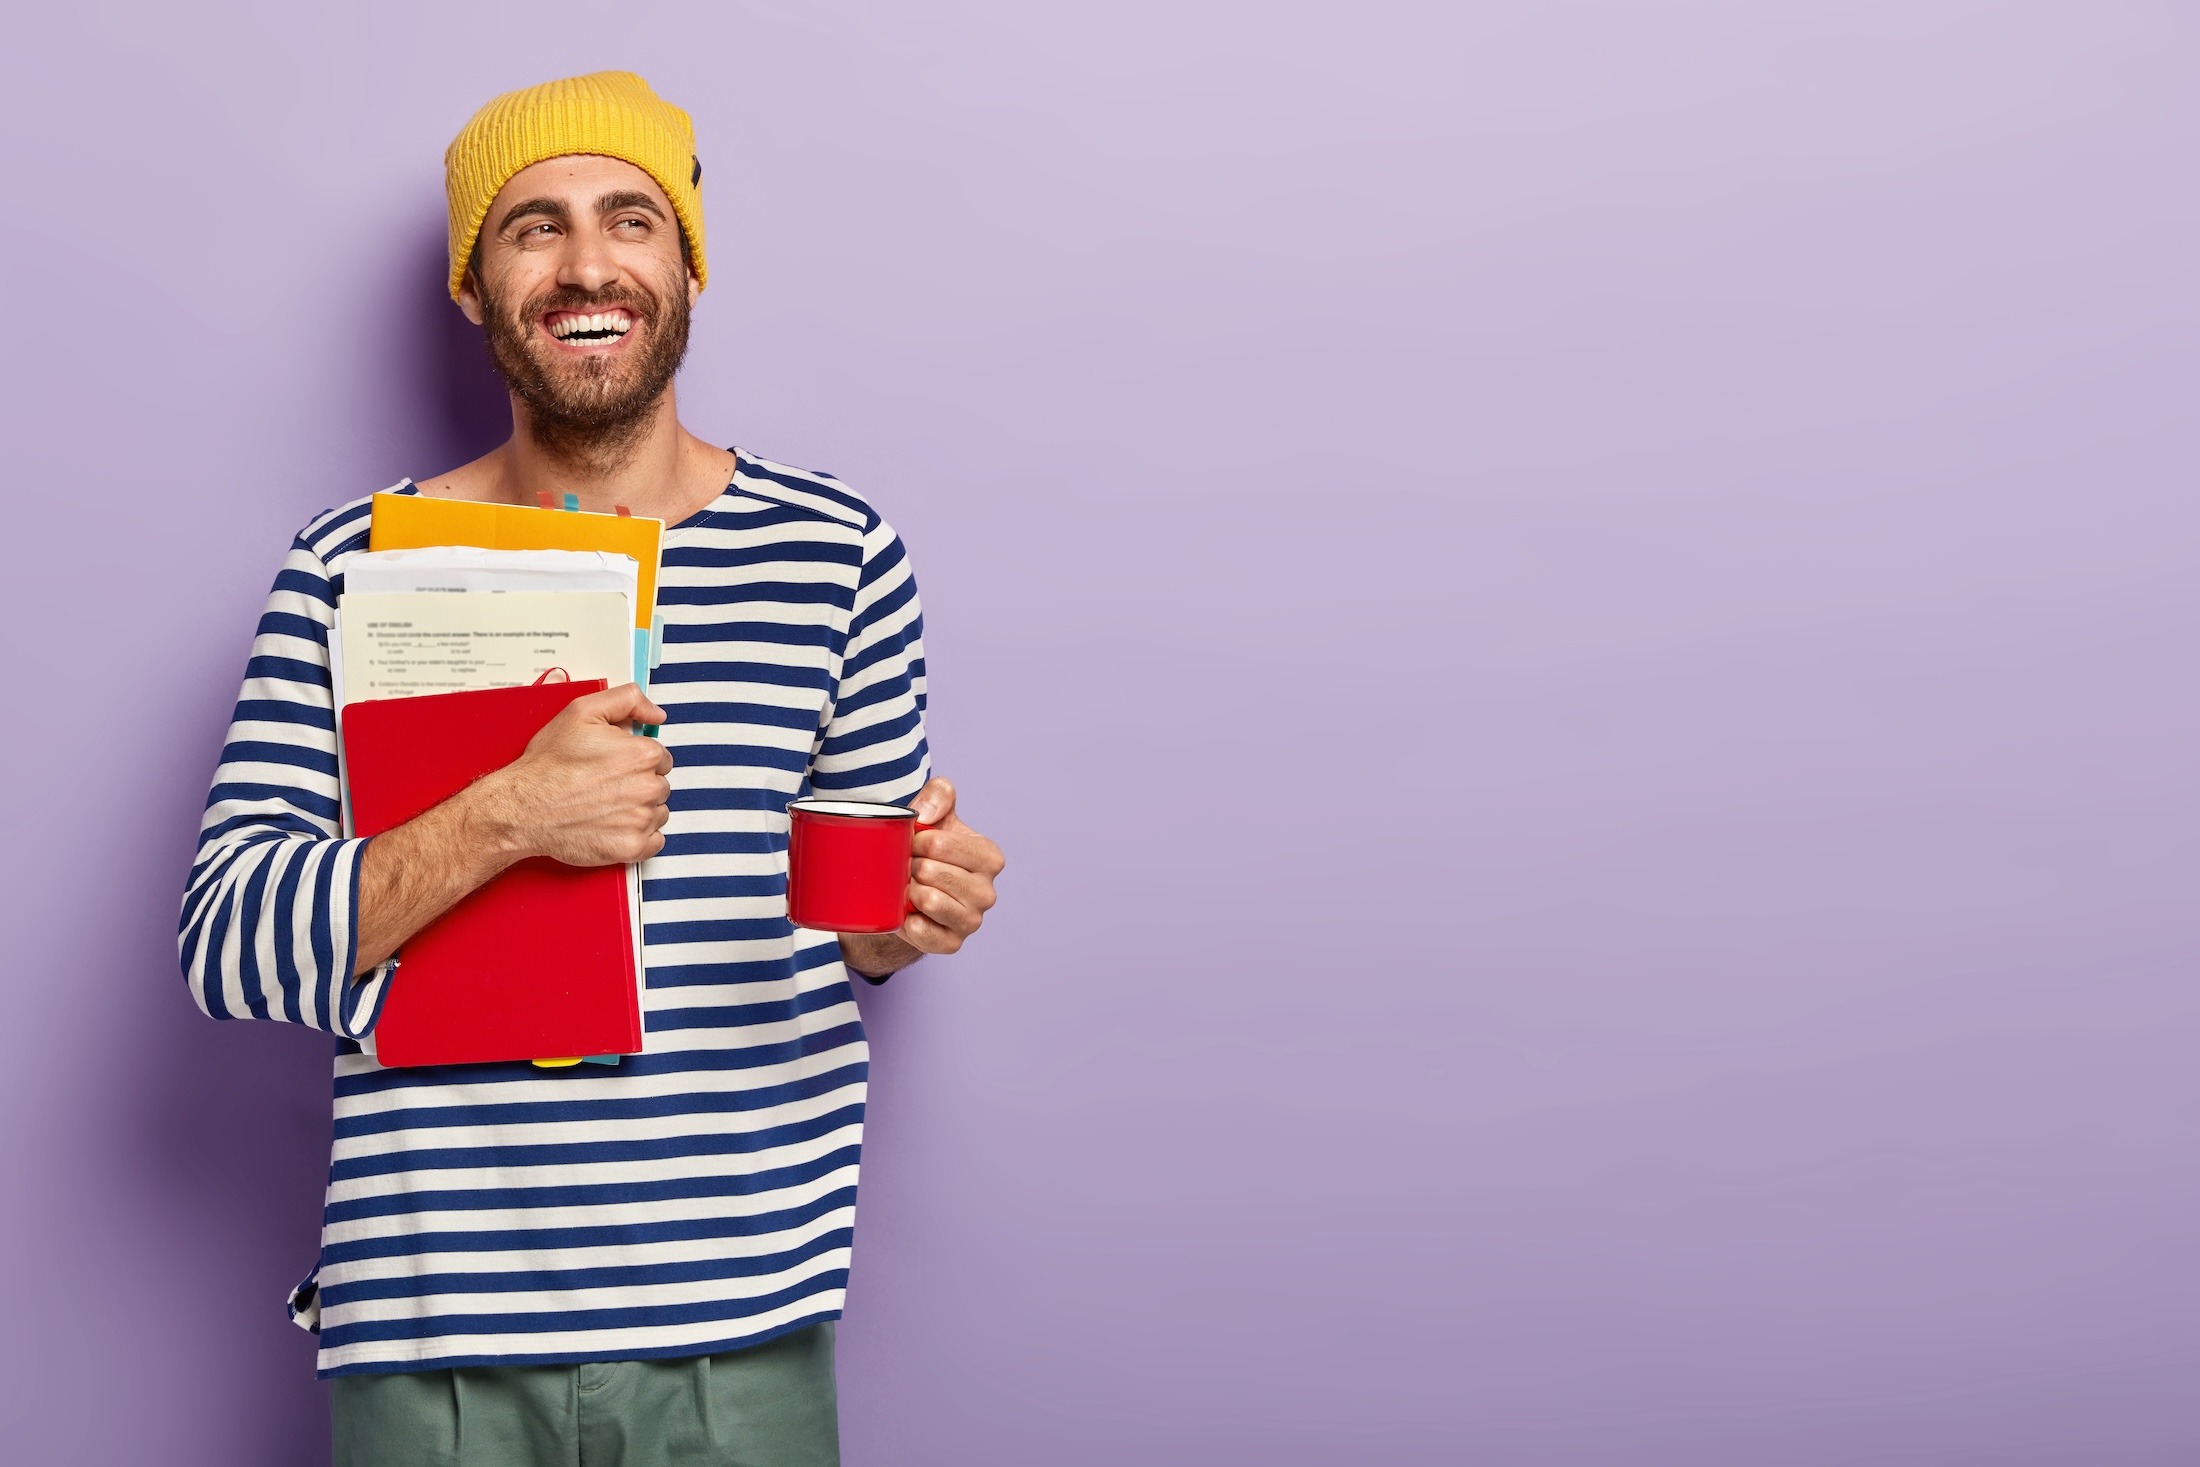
(577,180)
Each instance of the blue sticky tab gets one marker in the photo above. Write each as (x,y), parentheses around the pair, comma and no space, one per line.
(642,664)
(599,1059)
(573,502)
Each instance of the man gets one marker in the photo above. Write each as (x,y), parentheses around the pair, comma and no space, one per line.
(637,1263)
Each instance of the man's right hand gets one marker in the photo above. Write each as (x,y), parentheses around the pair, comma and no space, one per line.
(587,792)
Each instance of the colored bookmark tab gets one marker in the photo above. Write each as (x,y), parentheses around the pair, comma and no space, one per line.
(641,677)
(655,654)
(572,503)
(546,499)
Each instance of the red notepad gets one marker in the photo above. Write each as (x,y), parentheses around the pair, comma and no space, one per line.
(538,964)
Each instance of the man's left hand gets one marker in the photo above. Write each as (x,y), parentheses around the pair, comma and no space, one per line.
(950,887)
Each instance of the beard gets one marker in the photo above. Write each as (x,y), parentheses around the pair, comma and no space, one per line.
(592,410)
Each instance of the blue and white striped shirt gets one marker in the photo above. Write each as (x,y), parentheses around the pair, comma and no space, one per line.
(699,1196)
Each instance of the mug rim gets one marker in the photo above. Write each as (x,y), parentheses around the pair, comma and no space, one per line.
(850,809)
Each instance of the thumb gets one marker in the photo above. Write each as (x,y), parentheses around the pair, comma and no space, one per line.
(935,803)
(625,703)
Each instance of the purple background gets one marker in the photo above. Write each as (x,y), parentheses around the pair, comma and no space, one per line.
(1578,619)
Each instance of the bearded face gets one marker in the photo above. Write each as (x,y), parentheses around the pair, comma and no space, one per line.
(589,365)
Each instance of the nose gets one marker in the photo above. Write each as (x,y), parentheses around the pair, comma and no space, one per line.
(586,262)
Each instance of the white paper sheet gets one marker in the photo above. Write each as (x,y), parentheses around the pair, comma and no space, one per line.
(402,644)
(468,568)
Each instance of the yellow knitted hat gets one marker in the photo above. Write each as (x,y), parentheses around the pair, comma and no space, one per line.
(612,113)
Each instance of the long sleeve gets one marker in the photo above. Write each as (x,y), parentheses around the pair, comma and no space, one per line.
(270,913)
(873,745)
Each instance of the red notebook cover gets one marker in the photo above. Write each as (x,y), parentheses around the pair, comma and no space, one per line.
(539,963)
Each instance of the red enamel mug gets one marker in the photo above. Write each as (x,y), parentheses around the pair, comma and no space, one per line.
(848,864)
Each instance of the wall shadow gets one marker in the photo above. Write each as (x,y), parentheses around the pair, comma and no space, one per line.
(221,1132)
(454,408)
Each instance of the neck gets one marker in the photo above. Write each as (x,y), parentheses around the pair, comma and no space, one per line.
(654,467)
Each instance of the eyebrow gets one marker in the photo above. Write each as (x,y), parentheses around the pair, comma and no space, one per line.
(548,208)
(628,199)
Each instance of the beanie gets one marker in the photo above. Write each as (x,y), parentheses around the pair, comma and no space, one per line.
(611,113)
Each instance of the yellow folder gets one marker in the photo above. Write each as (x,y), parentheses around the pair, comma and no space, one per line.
(414,521)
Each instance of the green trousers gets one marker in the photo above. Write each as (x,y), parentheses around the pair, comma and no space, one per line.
(770,1406)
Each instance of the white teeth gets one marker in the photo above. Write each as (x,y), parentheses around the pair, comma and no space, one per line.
(617,322)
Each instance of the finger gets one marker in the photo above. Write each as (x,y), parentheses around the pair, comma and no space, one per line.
(971,888)
(944,910)
(622,704)
(602,707)
(928,936)
(953,824)
(935,803)
(965,848)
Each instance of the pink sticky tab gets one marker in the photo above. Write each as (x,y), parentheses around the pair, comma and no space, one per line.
(622,511)
(547,500)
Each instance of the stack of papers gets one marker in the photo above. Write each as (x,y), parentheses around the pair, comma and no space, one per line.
(434,618)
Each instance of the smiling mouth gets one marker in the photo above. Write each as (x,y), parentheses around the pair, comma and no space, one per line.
(588,330)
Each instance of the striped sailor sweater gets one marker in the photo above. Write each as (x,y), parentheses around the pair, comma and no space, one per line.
(694,1198)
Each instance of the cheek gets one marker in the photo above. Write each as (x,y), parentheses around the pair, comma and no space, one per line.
(519,295)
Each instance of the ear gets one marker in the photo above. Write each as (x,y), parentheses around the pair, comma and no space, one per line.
(469,296)
(695,288)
